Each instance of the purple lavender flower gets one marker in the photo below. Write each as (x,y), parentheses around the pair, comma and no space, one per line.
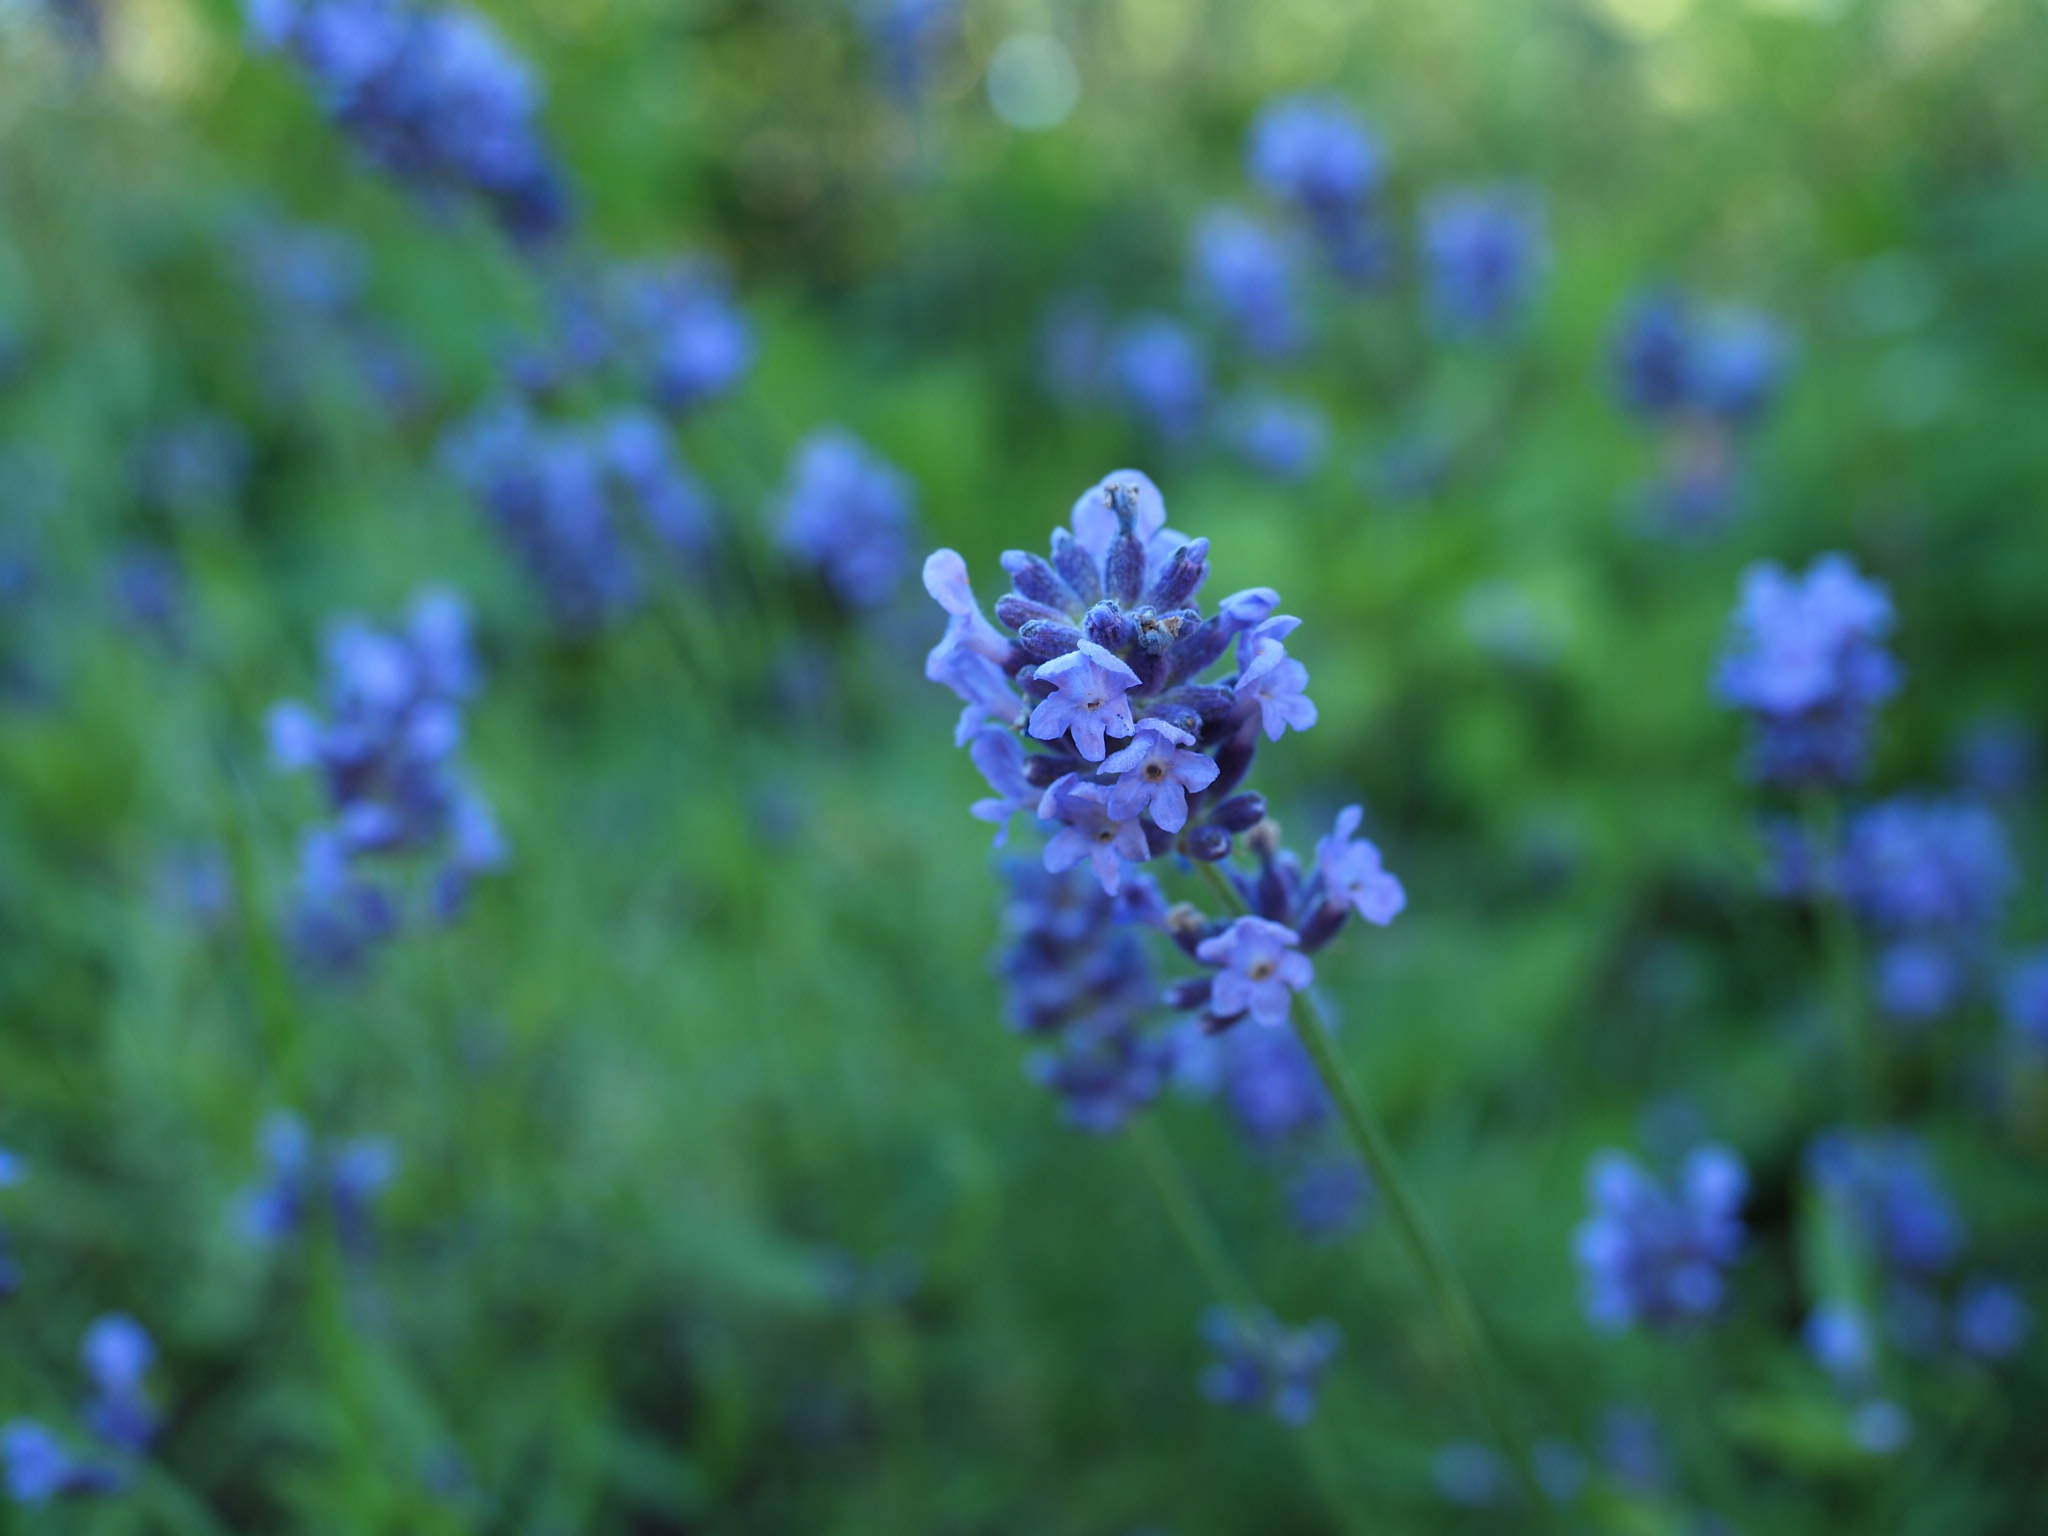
(1089,831)
(1162,375)
(1270,1086)
(1278,436)
(1352,872)
(1998,757)
(1652,1256)
(384,757)
(2025,997)
(429,95)
(1089,703)
(1913,865)
(1312,154)
(302,1171)
(1074,349)
(909,36)
(1157,773)
(118,1355)
(1260,970)
(1806,660)
(12,1169)
(1261,1366)
(1669,362)
(1483,249)
(1275,682)
(1885,1184)
(1000,756)
(1992,1320)
(40,1468)
(680,331)
(1738,365)
(973,657)
(1245,272)
(1330,1196)
(846,511)
(1840,1341)
(1918,980)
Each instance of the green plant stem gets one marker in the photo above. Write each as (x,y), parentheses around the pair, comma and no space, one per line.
(1862,1057)
(1475,1355)
(1229,1284)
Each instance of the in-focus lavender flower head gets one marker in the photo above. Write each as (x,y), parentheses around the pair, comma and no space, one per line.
(1262,1366)
(1806,661)
(1312,153)
(1652,1256)
(1280,436)
(118,1356)
(431,96)
(1260,971)
(847,512)
(1483,251)
(1245,272)
(384,755)
(1162,375)
(1884,1182)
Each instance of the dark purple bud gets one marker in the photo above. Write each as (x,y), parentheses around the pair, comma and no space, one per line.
(1076,567)
(1044,769)
(1323,924)
(1234,761)
(1159,842)
(1183,576)
(1123,572)
(1017,611)
(1193,654)
(1108,627)
(1044,639)
(1240,813)
(1191,993)
(1040,582)
(1273,895)
(1209,843)
(1211,1025)
(1180,715)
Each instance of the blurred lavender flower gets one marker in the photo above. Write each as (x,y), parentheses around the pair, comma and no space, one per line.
(1738,366)
(1483,251)
(1918,980)
(12,1172)
(909,37)
(1725,367)
(1884,1183)
(1839,1339)
(1806,660)
(1278,436)
(1329,1197)
(1078,978)
(12,1169)
(1270,1086)
(2025,997)
(429,95)
(680,331)
(385,758)
(1992,1320)
(1162,375)
(1633,1448)
(1916,865)
(118,1355)
(1998,757)
(300,1170)
(1312,154)
(1244,271)
(40,1468)
(149,594)
(1074,349)
(1264,1367)
(1652,1256)
(847,512)
(191,465)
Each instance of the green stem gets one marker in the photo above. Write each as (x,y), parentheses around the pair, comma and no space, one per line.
(1862,1057)
(1475,1355)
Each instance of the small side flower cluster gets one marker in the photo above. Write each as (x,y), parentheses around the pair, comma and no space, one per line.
(1263,1367)
(301,1171)
(846,513)
(1162,374)
(1702,382)
(385,758)
(1483,251)
(314,282)
(1806,662)
(1930,878)
(1079,980)
(429,95)
(1244,271)
(1655,1256)
(118,1356)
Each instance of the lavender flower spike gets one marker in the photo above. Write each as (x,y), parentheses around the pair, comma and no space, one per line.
(1275,682)
(1353,873)
(1157,774)
(1261,971)
(1091,832)
(1090,702)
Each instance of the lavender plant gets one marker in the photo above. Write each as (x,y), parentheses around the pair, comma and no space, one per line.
(1656,1257)
(1483,250)
(41,1466)
(1313,155)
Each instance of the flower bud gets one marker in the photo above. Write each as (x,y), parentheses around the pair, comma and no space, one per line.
(1017,611)
(1039,581)
(1043,639)
(1108,627)
(1240,813)
(1209,843)
(1191,993)
(1183,577)
(1076,567)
